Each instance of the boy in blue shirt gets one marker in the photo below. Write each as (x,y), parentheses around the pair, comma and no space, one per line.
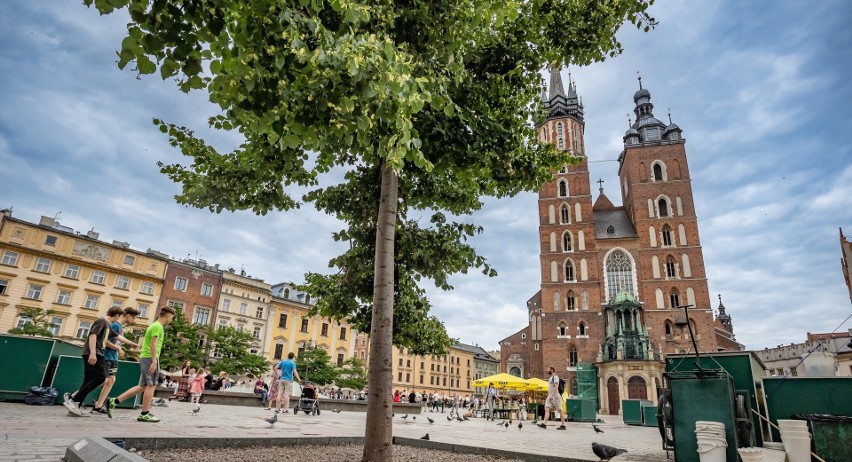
(113,352)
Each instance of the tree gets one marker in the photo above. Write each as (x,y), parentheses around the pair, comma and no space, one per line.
(182,342)
(352,375)
(314,365)
(232,345)
(433,101)
(37,322)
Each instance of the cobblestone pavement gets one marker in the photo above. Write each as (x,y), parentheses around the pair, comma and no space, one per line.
(30,433)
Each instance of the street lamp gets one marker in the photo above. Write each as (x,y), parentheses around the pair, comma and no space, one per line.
(679,322)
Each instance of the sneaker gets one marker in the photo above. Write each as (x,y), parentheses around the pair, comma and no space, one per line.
(110,406)
(69,403)
(561,427)
(541,425)
(147,418)
(99,410)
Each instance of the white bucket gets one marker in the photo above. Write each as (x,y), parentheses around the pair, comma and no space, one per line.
(711,453)
(783,423)
(798,448)
(751,454)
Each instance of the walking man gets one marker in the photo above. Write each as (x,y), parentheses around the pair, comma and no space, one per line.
(554,399)
(285,388)
(113,352)
(94,364)
(149,367)
(490,396)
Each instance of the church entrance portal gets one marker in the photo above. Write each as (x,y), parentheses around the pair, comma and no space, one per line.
(612,396)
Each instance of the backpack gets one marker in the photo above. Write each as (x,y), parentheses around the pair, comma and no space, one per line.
(561,387)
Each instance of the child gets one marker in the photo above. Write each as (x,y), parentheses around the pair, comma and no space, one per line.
(196,387)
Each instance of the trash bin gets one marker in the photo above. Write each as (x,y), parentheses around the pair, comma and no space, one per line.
(649,413)
(832,434)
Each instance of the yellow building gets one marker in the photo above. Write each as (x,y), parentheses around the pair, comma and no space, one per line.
(52,267)
(447,375)
(291,329)
(244,305)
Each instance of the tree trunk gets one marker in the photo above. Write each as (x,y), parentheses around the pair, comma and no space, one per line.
(379,429)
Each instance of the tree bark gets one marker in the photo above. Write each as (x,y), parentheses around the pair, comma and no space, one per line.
(379,429)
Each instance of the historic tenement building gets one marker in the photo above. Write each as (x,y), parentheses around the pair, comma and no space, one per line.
(193,286)
(614,279)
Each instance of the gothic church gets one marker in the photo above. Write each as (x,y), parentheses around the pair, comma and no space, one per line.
(614,279)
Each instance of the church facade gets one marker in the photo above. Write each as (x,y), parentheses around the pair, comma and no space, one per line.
(615,279)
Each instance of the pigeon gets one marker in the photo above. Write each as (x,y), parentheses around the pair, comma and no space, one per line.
(520,425)
(501,423)
(449,419)
(161,402)
(405,417)
(336,411)
(606,452)
(506,425)
(597,430)
(272,420)
(510,421)
(430,420)
(425,437)
(413,417)
(459,419)
(205,401)
(196,410)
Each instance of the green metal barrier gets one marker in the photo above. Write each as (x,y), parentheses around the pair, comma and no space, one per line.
(631,411)
(649,413)
(24,362)
(701,398)
(581,410)
(832,440)
(69,375)
(788,396)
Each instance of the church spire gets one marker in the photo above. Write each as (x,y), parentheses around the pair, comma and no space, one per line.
(559,103)
(556,87)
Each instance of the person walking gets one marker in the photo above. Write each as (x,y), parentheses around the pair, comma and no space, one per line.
(113,352)
(196,386)
(149,367)
(285,387)
(94,364)
(490,396)
(553,400)
(182,392)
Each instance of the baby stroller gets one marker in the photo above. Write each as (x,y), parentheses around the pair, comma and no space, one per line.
(309,401)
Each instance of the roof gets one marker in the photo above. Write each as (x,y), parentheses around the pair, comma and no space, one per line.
(478,351)
(622,228)
(603,203)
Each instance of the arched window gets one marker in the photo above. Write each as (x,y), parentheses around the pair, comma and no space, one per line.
(565,214)
(561,143)
(566,242)
(582,328)
(572,356)
(663,207)
(563,329)
(569,270)
(556,303)
(668,328)
(287,294)
(667,235)
(559,129)
(307,299)
(571,301)
(659,174)
(674,299)
(670,267)
(619,272)
(563,188)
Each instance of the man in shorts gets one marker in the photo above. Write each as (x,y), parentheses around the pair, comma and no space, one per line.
(113,352)
(285,386)
(149,367)
(553,400)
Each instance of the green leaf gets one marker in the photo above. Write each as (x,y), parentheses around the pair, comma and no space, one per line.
(144,65)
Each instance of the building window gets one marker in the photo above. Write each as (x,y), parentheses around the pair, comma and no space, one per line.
(259,313)
(123,282)
(563,330)
(342,333)
(569,271)
(668,328)
(287,294)
(582,328)
(566,242)
(34,292)
(50,240)
(572,356)
(207,289)
(83,330)
(43,265)
(670,267)
(9,258)
(143,310)
(663,206)
(658,172)
(563,188)
(340,364)
(4,284)
(667,235)
(226,304)
(91,302)
(71,271)
(201,316)
(98,277)
(307,299)
(324,330)
(400,362)
(536,347)
(565,214)
(223,323)
(23,321)
(674,298)
(129,259)
(407,363)
(445,381)
(117,303)
(180,284)
(421,380)
(243,308)
(279,351)
(241,327)
(55,325)
(257,332)
(282,320)
(304,325)
(619,273)
(571,301)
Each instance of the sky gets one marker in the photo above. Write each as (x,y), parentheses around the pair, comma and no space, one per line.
(761,90)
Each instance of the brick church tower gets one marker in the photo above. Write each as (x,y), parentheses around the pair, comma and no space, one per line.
(614,278)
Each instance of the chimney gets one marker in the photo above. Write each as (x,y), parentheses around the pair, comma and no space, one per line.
(46,221)
(92,234)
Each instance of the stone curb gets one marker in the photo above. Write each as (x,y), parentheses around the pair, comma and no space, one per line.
(100,450)
(463,449)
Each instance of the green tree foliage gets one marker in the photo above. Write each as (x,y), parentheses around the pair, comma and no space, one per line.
(352,375)
(314,365)
(429,103)
(135,335)
(38,324)
(233,345)
(181,343)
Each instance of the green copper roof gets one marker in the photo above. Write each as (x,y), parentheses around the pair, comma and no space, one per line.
(623,296)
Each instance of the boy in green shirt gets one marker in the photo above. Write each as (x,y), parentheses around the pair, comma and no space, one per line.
(149,367)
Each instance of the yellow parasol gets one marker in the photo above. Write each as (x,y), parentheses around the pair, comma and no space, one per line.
(537,384)
(504,380)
